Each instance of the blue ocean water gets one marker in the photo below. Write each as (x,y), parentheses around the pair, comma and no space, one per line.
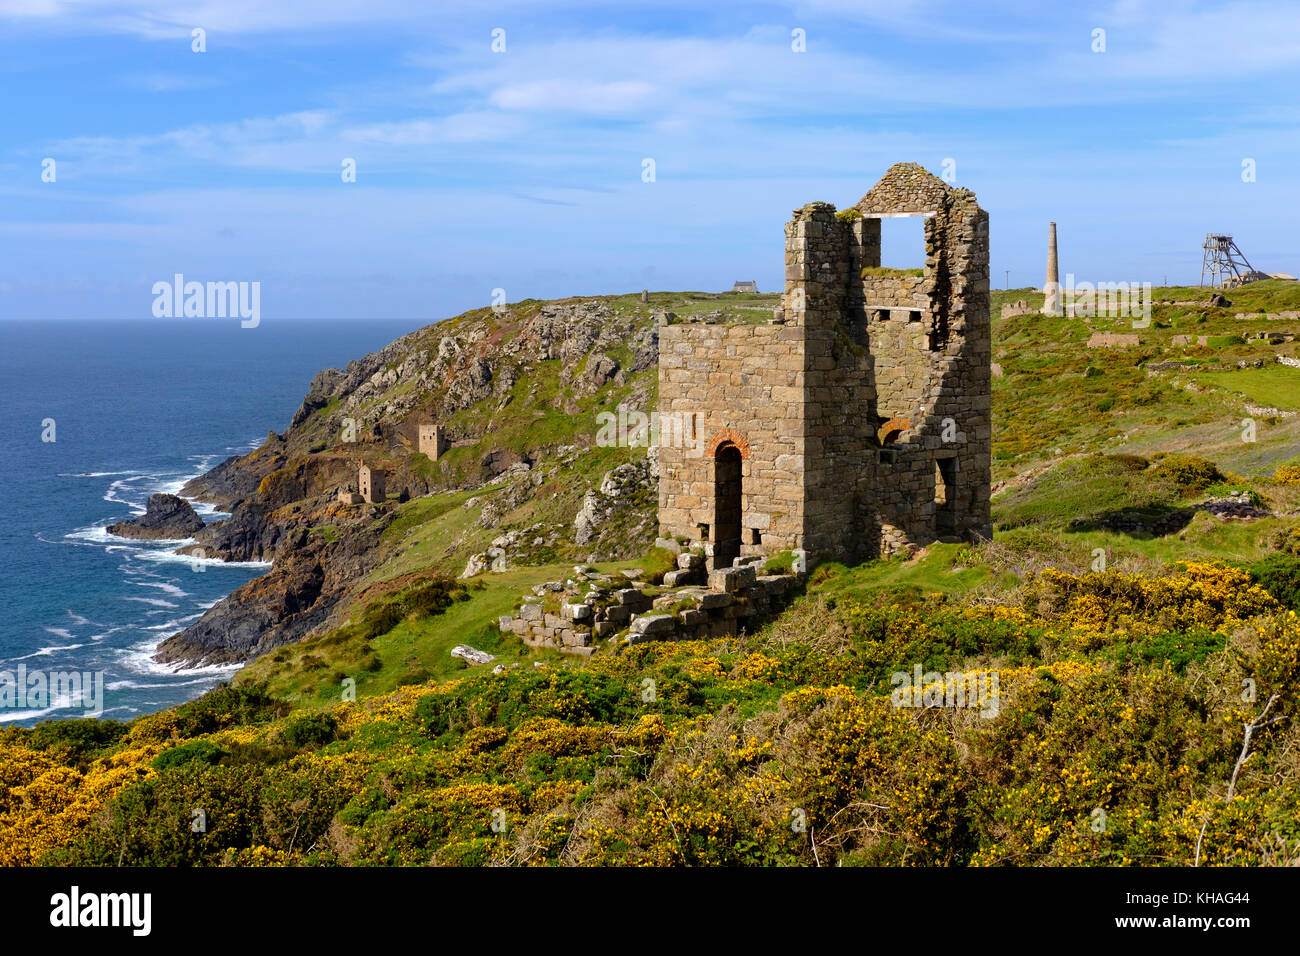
(138,407)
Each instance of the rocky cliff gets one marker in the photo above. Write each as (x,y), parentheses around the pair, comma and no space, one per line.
(518,391)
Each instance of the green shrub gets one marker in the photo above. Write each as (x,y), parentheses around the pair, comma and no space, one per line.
(1279,575)
(311,729)
(81,739)
(226,705)
(426,599)
(657,563)
(202,752)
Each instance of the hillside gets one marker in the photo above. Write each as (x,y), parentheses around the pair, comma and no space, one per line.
(1145,569)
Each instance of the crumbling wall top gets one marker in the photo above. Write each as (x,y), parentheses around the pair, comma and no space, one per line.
(906,188)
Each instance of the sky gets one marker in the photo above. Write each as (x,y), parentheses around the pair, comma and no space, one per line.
(581,148)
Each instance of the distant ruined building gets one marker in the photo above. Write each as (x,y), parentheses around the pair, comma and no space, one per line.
(857,423)
(370,484)
(433,440)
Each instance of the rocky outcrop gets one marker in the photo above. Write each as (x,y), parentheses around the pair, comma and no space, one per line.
(311,577)
(237,478)
(624,495)
(323,385)
(166,517)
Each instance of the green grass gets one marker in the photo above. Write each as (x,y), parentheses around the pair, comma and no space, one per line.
(1277,386)
(944,569)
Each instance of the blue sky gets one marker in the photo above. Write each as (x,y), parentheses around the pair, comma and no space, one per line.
(522,169)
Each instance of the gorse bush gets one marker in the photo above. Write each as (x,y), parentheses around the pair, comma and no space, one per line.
(1187,471)
(1116,692)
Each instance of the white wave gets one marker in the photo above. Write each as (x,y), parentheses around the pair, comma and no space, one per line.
(165,586)
(169,557)
(140,658)
(63,702)
(156,602)
(174,625)
(96,474)
(142,685)
(43,652)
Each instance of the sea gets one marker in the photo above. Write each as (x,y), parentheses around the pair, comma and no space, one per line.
(99,415)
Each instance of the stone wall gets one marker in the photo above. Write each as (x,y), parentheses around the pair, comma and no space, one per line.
(851,346)
(744,385)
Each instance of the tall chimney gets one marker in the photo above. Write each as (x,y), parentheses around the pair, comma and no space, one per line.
(1052,287)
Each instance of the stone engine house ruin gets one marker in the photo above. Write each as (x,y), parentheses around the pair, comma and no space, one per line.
(856,423)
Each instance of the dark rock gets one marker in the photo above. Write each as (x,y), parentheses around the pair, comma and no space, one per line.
(166,517)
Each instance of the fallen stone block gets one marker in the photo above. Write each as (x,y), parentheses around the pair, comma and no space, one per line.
(680,578)
(654,625)
(472,655)
(576,612)
(618,614)
(712,600)
(732,579)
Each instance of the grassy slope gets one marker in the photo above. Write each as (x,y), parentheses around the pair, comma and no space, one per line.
(1039,419)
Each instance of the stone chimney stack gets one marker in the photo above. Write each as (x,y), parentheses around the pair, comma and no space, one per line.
(1052,287)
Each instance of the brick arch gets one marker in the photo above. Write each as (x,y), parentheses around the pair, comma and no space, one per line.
(891,429)
(725,436)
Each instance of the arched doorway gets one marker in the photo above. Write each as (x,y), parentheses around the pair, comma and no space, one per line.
(726,505)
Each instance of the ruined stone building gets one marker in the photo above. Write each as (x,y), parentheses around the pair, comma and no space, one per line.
(370,483)
(433,440)
(856,422)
